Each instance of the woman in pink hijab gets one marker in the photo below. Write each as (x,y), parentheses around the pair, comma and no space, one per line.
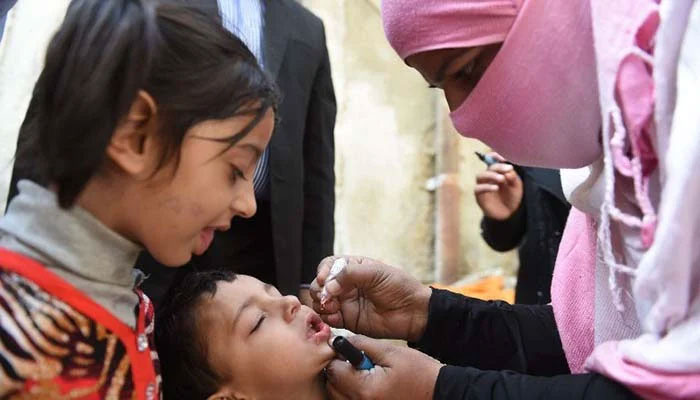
(609,88)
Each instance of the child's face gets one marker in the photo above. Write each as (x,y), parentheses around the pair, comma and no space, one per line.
(179,209)
(262,343)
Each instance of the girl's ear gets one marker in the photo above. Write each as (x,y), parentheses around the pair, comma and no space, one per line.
(133,147)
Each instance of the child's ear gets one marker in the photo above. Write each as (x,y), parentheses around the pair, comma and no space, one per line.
(133,146)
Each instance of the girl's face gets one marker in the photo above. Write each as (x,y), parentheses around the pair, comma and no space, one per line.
(178,210)
(455,71)
(263,344)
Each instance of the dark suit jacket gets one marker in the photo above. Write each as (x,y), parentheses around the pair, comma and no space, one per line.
(302,181)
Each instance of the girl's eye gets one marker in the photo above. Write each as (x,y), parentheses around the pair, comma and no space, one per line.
(236,174)
(257,325)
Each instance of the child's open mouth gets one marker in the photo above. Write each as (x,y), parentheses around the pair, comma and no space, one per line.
(317,330)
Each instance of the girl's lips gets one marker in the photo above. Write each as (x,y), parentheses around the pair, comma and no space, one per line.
(206,236)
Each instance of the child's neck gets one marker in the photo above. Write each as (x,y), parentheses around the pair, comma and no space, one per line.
(316,391)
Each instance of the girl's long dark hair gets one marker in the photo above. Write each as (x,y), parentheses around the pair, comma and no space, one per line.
(103,54)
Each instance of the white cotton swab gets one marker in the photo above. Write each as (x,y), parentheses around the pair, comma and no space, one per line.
(336,268)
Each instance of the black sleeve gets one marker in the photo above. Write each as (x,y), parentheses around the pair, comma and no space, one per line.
(507,234)
(319,177)
(493,335)
(465,383)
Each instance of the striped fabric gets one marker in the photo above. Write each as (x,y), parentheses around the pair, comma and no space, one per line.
(244,18)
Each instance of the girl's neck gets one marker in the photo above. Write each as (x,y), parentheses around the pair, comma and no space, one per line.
(106,205)
(40,229)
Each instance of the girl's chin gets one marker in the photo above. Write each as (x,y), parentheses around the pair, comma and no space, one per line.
(174,260)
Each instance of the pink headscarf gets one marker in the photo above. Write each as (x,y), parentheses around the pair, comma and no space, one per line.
(421,25)
(518,107)
(635,316)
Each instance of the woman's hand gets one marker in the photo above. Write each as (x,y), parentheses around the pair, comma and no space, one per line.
(372,298)
(399,373)
(499,190)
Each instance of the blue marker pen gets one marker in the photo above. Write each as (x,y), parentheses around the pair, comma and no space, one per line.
(489,160)
(357,358)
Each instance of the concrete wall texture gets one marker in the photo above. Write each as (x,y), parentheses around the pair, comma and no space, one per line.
(385,137)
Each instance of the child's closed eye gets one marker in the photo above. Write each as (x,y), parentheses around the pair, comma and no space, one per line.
(261,319)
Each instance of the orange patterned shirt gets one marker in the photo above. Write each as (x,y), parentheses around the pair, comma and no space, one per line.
(57,343)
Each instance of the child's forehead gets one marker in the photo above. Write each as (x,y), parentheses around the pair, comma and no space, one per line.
(238,290)
(230,298)
(216,309)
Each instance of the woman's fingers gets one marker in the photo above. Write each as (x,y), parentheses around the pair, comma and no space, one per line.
(485,188)
(490,177)
(501,168)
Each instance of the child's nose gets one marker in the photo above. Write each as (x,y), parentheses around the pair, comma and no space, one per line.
(291,306)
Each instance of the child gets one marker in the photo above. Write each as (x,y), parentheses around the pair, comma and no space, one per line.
(227,336)
(145,127)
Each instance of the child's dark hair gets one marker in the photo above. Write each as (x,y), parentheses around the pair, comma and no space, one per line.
(181,348)
(103,54)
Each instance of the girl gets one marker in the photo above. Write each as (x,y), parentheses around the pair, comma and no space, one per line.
(145,126)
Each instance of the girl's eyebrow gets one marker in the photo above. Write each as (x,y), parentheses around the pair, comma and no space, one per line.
(258,151)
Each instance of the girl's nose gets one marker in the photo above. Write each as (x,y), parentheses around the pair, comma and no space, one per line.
(243,203)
